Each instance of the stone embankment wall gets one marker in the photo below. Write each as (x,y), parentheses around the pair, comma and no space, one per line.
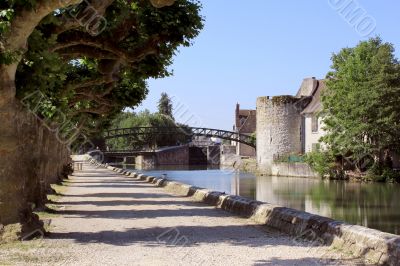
(293,170)
(173,156)
(169,156)
(375,246)
(213,155)
(40,160)
(228,156)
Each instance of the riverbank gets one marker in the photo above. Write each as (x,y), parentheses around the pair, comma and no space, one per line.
(249,165)
(304,170)
(368,243)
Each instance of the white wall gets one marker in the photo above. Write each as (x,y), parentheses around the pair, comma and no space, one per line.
(312,137)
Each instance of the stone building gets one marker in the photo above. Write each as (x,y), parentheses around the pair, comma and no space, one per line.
(245,123)
(288,124)
(313,126)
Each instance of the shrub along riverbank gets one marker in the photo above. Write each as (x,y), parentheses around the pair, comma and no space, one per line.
(338,167)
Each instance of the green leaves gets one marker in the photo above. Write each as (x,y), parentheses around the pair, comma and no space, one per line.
(6,57)
(90,79)
(322,162)
(165,105)
(147,119)
(6,14)
(361,106)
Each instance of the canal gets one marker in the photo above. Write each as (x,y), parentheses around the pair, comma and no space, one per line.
(373,205)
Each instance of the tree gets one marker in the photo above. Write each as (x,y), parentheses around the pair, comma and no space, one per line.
(165,105)
(94,77)
(90,59)
(172,133)
(361,107)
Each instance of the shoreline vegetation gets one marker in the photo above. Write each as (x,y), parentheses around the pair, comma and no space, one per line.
(330,168)
(340,168)
(360,115)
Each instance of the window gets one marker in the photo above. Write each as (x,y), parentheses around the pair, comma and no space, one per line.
(314,124)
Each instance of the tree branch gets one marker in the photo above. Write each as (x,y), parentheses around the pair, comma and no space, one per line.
(150,47)
(100,110)
(81,50)
(26,21)
(95,8)
(77,39)
(94,82)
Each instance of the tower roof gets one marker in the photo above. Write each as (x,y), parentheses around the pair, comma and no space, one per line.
(307,87)
(315,105)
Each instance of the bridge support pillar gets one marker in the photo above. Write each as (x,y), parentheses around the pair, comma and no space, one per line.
(213,155)
(145,161)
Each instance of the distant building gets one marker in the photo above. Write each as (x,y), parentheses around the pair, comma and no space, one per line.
(313,125)
(245,123)
(289,124)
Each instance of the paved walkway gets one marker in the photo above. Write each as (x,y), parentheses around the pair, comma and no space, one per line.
(109,219)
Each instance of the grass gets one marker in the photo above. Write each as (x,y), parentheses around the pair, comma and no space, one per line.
(10,233)
(22,245)
(52,207)
(31,252)
(60,190)
(18,251)
(46,215)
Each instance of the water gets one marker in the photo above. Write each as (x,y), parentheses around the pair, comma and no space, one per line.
(373,205)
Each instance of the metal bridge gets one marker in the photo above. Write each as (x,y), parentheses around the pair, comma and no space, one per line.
(189,131)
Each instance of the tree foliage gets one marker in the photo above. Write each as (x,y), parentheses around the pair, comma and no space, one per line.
(92,76)
(362,104)
(145,118)
(322,162)
(165,105)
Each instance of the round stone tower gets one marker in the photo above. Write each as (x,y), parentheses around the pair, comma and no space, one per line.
(278,129)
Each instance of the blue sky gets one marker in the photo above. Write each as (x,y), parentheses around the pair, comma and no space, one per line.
(261,48)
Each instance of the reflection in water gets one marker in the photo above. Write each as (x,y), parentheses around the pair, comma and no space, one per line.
(372,205)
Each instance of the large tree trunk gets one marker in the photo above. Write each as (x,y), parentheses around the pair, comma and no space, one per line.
(10,181)
(16,164)
(31,158)
(17,135)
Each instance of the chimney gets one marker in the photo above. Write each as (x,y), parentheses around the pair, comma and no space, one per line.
(237,114)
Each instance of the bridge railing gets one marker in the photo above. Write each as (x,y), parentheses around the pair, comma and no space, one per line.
(190,131)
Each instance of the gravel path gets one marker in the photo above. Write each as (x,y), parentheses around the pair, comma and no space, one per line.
(108,219)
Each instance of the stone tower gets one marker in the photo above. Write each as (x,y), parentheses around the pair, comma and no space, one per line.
(279,125)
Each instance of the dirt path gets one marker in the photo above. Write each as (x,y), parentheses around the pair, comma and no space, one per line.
(108,219)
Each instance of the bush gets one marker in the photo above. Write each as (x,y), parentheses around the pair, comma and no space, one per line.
(322,162)
(378,173)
